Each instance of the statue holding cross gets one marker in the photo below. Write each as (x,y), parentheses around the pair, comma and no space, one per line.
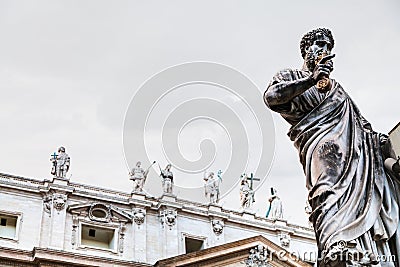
(61,162)
(247,191)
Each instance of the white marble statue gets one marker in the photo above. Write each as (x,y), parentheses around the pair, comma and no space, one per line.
(211,187)
(167,179)
(61,163)
(138,175)
(246,193)
(275,210)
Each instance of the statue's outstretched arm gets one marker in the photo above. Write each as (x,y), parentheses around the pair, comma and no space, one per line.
(283,92)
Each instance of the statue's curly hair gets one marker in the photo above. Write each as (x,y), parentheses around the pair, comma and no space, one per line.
(309,37)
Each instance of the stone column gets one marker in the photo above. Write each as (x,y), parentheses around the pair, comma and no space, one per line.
(58,217)
(139,233)
(217,225)
(169,232)
(58,190)
(217,236)
(46,220)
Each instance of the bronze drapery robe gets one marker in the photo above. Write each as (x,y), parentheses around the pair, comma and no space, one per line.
(352,197)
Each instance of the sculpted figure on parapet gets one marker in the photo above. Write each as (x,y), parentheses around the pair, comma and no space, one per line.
(211,187)
(138,176)
(167,179)
(275,210)
(246,193)
(354,200)
(61,163)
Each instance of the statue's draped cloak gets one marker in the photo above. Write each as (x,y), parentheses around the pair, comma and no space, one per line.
(352,197)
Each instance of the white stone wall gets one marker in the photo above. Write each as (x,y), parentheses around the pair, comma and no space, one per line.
(147,242)
(154,245)
(30,208)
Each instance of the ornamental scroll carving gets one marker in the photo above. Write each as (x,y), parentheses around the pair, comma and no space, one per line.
(139,215)
(217,226)
(258,257)
(168,217)
(59,201)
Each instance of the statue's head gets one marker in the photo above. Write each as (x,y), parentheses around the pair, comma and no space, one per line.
(315,43)
(61,149)
(138,164)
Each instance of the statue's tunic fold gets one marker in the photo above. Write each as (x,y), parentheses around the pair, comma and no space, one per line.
(352,197)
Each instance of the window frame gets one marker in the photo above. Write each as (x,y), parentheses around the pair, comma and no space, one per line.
(18,224)
(114,228)
(204,239)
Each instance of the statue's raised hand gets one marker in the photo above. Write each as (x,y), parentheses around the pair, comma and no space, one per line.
(323,69)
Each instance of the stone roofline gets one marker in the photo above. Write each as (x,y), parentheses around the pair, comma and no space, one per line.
(153,203)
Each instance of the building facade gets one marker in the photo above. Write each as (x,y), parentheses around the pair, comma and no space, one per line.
(60,223)
(394,137)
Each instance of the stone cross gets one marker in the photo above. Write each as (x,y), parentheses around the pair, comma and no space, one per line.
(252,179)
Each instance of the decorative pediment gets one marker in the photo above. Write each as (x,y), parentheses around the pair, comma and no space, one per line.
(256,251)
(100,212)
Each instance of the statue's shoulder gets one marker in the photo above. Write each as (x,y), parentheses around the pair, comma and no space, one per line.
(287,74)
(283,72)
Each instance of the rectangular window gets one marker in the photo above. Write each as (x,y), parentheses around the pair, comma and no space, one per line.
(8,226)
(97,237)
(192,244)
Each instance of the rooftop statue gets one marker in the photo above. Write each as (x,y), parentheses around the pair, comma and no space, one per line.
(246,193)
(354,201)
(275,210)
(138,175)
(167,179)
(61,162)
(211,187)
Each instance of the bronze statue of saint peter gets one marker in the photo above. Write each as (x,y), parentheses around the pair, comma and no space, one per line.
(354,200)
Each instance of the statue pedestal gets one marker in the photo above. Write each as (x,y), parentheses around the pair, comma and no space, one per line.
(248,215)
(168,197)
(214,207)
(60,181)
(138,195)
(280,222)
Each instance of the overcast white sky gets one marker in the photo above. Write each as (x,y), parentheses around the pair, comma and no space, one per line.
(68,70)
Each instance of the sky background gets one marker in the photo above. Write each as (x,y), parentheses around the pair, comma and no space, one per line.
(69,69)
